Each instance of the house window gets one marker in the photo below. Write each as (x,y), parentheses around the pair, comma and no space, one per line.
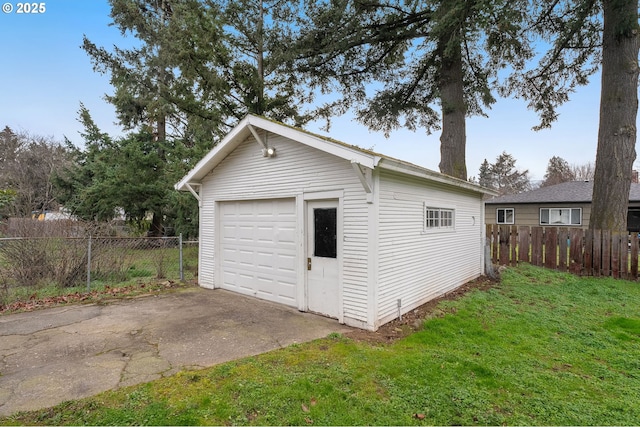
(560,216)
(438,218)
(505,216)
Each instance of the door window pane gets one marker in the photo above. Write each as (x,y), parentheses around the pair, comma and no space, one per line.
(325,226)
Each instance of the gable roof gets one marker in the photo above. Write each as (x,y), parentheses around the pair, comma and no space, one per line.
(566,192)
(352,153)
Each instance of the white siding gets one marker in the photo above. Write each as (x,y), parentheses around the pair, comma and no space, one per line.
(296,169)
(415,265)
(207,238)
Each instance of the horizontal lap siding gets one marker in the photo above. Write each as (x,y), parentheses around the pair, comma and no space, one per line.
(296,168)
(529,214)
(206,277)
(416,265)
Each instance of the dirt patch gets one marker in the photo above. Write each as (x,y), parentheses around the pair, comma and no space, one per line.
(414,319)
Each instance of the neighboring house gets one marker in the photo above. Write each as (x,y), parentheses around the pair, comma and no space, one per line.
(567,205)
(330,228)
(61,214)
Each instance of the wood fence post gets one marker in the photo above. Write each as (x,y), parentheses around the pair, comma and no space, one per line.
(551,248)
(536,245)
(524,249)
(588,253)
(496,243)
(624,255)
(563,247)
(606,252)
(487,238)
(633,242)
(513,242)
(576,250)
(596,256)
(504,245)
(615,256)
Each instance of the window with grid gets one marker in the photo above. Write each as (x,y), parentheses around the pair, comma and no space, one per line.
(438,218)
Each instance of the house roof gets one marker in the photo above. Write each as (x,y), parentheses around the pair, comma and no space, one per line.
(363,157)
(566,192)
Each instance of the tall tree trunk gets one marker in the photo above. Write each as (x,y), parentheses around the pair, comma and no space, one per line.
(157,219)
(454,111)
(260,59)
(618,110)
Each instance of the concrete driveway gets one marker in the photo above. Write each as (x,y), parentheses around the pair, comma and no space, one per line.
(58,354)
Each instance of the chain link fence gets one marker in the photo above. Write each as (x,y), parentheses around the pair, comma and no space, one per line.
(29,264)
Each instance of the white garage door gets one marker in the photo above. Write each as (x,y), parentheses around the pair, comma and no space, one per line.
(258,249)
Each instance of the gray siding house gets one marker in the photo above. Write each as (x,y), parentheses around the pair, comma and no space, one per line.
(330,228)
(567,205)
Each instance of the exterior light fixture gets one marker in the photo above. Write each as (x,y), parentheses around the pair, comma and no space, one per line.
(269,152)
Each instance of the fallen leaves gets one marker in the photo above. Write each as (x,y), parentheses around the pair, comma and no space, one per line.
(34,302)
(305,409)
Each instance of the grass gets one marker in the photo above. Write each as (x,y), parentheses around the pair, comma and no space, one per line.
(542,348)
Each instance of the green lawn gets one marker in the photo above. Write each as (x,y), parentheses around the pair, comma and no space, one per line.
(541,348)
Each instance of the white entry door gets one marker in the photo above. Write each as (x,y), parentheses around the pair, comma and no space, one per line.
(322,257)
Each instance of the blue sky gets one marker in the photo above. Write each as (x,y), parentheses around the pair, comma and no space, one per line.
(44,75)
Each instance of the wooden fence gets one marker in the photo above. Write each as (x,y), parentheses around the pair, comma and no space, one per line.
(579,251)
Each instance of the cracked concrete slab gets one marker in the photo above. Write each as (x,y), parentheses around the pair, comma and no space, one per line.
(58,354)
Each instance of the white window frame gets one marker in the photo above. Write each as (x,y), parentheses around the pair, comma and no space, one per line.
(555,217)
(438,219)
(504,215)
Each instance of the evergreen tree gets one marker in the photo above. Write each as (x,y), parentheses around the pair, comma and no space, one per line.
(503,176)
(558,171)
(422,55)
(485,176)
(258,78)
(80,184)
(198,67)
(127,175)
(202,64)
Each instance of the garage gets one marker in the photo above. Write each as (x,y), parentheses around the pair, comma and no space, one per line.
(331,228)
(258,249)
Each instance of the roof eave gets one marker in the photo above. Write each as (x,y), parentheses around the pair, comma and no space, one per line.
(353,154)
(420,172)
(535,202)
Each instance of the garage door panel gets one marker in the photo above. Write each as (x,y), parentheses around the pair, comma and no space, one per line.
(286,264)
(258,249)
(265,260)
(245,258)
(265,234)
